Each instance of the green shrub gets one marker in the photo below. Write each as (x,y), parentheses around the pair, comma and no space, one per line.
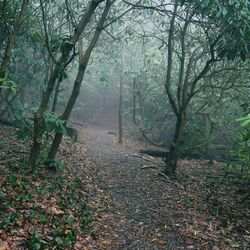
(3,144)
(243,148)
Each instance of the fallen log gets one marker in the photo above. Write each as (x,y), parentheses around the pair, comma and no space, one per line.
(165,154)
(155,153)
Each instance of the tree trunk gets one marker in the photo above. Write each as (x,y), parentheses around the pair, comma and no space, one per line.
(121,97)
(84,59)
(68,46)
(53,109)
(11,40)
(39,124)
(65,116)
(134,101)
(174,150)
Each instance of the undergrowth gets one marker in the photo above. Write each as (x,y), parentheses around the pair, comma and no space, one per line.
(49,210)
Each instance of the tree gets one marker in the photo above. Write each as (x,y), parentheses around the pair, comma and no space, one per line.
(121,96)
(12,38)
(190,59)
(27,61)
(83,62)
(66,47)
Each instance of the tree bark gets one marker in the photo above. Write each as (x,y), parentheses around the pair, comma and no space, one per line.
(170,60)
(55,100)
(174,150)
(121,97)
(83,63)
(68,46)
(171,160)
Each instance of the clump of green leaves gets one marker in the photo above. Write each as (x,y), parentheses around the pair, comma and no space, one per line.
(54,123)
(6,83)
(233,17)
(243,149)
(3,144)
(24,124)
(55,165)
(34,241)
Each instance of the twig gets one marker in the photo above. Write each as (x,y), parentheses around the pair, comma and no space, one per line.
(149,166)
(143,157)
(163,175)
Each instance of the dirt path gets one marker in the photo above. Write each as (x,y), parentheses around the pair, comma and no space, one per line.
(152,212)
(120,174)
(122,203)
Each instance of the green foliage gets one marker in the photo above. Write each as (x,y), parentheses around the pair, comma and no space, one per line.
(22,122)
(243,149)
(6,83)
(54,123)
(3,144)
(8,220)
(245,121)
(233,18)
(69,217)
(34,241)
(55,165)
(8,15)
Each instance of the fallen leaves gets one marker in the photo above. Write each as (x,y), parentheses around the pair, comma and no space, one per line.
(4,246)
(56,210)
(116,203)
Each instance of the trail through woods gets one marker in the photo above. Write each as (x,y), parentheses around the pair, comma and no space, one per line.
(158,213)
(119,172)
(108,196)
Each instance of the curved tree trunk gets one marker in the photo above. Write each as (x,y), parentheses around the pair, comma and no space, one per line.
(57,90)
(62,63)
(84,59)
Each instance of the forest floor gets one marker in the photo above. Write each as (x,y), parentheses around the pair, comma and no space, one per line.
(108,196)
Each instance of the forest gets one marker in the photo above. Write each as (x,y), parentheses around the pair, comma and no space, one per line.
(124,124)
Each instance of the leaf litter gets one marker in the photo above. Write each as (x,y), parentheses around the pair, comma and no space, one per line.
(107,198)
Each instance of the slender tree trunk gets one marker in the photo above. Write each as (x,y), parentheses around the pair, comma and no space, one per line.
(68,46)
(84,59)
(170,60)
(58,136)
(39,124)
(134,101)
(56,94)
(174,150)
(121,97)
(12,39)
(171,161)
